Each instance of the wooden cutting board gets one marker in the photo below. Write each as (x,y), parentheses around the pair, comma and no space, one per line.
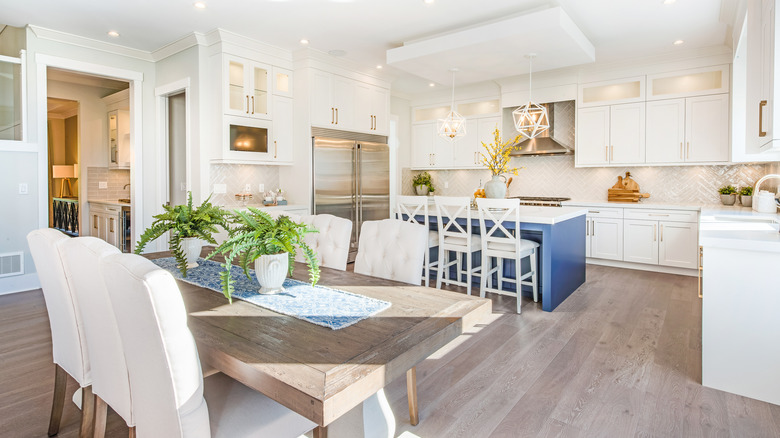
(625,190)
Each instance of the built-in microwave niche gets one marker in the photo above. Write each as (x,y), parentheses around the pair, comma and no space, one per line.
(247,140)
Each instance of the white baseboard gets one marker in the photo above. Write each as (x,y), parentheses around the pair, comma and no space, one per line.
(19,283)
(643,267)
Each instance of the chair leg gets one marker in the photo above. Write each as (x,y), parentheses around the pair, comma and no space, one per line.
(58,402)
(87,413)
(483,277)
(131,432)
(468,272)
(534,275)
(101,412)
(427,267)
(411,394)
(442,262)
(500,266)
(320,432)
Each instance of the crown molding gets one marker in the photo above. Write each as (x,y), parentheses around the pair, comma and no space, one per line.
(228,38)
(190,40)
(76,40)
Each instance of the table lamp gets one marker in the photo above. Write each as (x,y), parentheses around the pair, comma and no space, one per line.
(65,172)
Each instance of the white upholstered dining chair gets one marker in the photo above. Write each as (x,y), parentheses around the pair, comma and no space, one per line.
(458,238)
(412,207)
(169,395)
(330,242)
(81,256)
(392,249)
(500,242)
(69,345)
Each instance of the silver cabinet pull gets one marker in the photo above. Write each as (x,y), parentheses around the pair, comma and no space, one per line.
(701,270)
(657,214)
(593,228)
(662,232)
(594,211)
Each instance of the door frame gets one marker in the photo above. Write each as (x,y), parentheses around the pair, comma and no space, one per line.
(135,78)
(161,95)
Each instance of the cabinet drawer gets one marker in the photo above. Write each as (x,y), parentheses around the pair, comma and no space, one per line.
(662,215)
(616,213)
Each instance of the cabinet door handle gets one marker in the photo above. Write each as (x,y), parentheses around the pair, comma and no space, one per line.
(687,150)
(94,221)
(761,105)
(247,104)
(275,149)
(253,104)
(594,211)
(611,154)
(337,116)
(587,227)
(332,116)
(593,228)
(111,225)
(658,214)
(662,232)
(681,151)
(701,270)
(606,153)
(655,235)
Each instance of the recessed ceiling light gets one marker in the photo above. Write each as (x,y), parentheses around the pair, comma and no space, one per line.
(669,2)
(199,5)
(304,41)
(427,2)
(678,42)
(379,67)
(113,33)
(431,84)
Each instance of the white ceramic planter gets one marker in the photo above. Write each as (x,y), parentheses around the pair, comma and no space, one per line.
(421,190)
(191,247)
(271,270)
(495,188)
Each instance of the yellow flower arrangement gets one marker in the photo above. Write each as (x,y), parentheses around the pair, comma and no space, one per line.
(497,157)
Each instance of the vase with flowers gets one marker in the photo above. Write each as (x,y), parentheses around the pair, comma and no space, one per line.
(496,158)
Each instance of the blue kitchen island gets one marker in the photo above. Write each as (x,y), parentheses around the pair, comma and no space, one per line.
(560,232)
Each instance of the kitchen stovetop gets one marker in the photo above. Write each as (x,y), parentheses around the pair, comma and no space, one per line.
(541,200)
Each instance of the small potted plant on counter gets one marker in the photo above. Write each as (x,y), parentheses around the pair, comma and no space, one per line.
(423,183)
(746,196)
(190,226)
(270,244)
(728,195)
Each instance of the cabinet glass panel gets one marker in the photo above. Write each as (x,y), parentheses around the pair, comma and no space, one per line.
(478,108)
(238,99)
(423,114)
(259,101)
(10,101)
(283,82)
(710,80)
(113,137)
(604,93)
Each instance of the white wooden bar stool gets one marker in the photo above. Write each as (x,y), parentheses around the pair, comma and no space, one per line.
(499,242)
(457,238)
(413,206)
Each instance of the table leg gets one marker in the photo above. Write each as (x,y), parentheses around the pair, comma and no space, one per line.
(411,394)
(320,432)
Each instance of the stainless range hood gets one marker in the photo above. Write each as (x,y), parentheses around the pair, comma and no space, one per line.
(544,144)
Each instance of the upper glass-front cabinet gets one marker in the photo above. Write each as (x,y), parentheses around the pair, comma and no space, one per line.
(11,99)
(247,88)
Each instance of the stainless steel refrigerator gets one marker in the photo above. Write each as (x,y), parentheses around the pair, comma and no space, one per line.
(351,180)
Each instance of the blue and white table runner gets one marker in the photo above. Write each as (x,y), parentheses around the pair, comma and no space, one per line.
(319,305)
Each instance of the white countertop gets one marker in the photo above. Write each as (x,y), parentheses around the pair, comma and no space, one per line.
(268,207)
(645,203)
(114,202)
(739,228)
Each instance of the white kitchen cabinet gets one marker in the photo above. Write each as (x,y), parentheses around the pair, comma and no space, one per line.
(678,244)
(105,222)
(694,129)
(423,145)
(612,134)
(605,238)
(640,241)
(341,103)
(688,83)
(283,129)
(246,86)
(468,149)
(119,139)
(762,76)
(371,104)
(283,82)
(665,138)
(429,150)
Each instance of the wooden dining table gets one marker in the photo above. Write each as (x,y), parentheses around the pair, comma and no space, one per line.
(322,373)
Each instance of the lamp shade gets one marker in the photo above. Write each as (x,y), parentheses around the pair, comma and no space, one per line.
(531,119)
(76,170)
(62,171)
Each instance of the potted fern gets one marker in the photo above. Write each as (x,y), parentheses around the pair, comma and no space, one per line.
(189,227)
(270,244)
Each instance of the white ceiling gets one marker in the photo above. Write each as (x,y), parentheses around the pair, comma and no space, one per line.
(366,29)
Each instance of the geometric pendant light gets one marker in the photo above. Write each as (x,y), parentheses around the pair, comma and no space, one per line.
(531,118)
(453,126)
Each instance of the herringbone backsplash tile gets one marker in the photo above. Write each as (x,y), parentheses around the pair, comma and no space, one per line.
(557,176)
(237,176)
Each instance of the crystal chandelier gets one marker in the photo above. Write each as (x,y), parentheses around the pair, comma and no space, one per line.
(531,118)
(453,126)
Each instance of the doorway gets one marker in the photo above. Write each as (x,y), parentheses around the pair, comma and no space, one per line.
(176,134)
(62,126)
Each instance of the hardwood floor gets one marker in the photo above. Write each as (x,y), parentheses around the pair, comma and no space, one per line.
(620,357)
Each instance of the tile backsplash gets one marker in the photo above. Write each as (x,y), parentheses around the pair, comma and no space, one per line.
(557,176)
(118,183)
(237,176)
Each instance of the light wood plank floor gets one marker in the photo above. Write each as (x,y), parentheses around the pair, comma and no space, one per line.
(621,357)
